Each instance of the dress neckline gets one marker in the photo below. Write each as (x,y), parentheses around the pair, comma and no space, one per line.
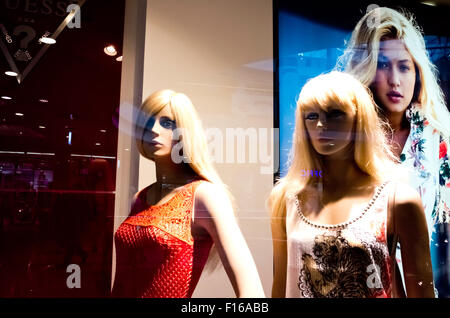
(182,189)
(342,225)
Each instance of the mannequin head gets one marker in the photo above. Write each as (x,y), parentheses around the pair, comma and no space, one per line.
(358,133)
(350,123)
(158,136)
(328,119)
(168,125)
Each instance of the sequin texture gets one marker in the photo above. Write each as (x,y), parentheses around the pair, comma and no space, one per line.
(157,256)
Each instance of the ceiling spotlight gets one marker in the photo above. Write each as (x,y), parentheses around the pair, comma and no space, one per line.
(41,127)
(119,59)
(97,144)
(47,40)
(11,73)
(103,130)
(19,114)
(110,50)
(429,3)
(6,97)
(42,100)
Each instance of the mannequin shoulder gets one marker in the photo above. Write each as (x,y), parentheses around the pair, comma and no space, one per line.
(211,198)
(205,189)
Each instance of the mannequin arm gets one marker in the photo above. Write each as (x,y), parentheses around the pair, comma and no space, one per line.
(214,212)
(411,227)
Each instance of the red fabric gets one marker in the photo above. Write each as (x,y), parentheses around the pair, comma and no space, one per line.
(442,149)
(157,256)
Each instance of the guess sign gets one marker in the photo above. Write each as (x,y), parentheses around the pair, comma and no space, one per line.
(25,24)
(45,7)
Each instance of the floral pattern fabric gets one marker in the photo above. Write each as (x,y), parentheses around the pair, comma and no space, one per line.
(425,155)
(342,268)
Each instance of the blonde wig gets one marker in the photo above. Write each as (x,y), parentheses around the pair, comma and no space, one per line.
(361,57)
(194,144)
(372,153)
(193,139)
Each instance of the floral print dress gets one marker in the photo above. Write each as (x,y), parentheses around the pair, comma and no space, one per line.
(425,156)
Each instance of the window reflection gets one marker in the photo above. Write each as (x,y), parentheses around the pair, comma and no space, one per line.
(58,144)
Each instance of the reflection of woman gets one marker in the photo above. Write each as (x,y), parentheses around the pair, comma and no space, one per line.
(333,236)
(387,52)
(162,247)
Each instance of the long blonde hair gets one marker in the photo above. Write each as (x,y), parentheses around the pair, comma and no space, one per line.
(361,57)
(372,153)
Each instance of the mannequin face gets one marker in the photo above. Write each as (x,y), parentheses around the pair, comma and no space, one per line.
(330,132)
(158,134)
(395,78)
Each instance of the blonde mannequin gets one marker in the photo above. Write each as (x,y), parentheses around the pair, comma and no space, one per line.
(175,221)
(331,233)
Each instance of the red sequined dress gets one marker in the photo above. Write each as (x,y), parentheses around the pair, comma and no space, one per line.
(157,255)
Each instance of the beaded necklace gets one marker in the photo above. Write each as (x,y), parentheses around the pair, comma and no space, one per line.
(339,227)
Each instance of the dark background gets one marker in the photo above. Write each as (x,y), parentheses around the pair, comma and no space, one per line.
(57,204)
